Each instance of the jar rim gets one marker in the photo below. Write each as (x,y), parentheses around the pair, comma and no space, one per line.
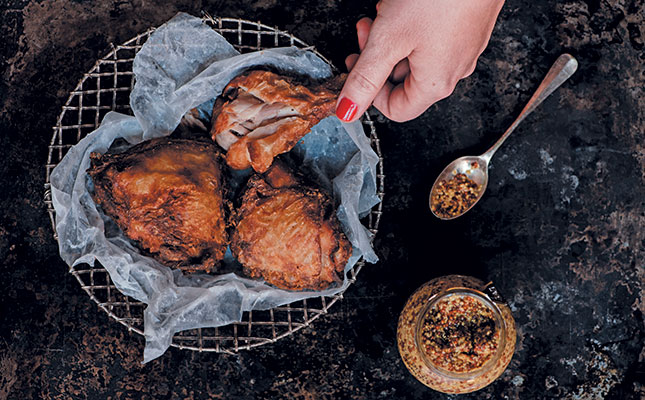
(500,326)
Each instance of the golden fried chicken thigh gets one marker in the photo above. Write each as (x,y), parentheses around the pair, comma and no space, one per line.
(262,114)
(288,233)
(166,194)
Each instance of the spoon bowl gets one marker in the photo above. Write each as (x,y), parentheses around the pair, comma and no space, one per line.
(475,168)
(463,182)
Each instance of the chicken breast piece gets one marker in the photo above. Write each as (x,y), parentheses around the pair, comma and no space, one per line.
(166,194)
(288,234)
(262,114)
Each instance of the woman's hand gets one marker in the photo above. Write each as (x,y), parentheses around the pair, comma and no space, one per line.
(413,54)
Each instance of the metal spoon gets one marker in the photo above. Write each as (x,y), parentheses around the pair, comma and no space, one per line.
(476,167)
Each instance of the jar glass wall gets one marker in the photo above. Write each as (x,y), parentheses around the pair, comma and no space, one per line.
(455,334)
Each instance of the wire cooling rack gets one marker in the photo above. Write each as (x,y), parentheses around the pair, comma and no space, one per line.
(106,87)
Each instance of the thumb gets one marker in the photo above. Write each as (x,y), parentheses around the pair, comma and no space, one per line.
(367,77)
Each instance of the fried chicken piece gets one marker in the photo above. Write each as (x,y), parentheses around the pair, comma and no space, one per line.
(262,114)
(166,194)
(288,233)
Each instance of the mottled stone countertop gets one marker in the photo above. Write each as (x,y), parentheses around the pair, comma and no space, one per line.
(561,229)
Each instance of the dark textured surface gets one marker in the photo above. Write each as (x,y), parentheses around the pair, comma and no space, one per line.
(560,230)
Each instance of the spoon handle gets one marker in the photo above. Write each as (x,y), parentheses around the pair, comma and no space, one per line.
(560,71)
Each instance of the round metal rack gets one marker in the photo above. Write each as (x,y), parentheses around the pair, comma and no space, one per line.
(106,87)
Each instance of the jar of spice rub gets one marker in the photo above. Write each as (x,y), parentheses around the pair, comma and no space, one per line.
(456,334)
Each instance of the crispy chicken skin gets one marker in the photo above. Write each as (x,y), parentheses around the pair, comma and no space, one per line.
(288,233)
(262,114)
(166,194)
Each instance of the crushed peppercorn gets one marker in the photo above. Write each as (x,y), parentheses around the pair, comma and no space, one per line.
(459,334)
(453,197)
(414,354)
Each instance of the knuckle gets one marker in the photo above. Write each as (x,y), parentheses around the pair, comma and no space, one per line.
(445,89)
(470,70)
(400,111)
(400,115)
(363,82)
(398,118)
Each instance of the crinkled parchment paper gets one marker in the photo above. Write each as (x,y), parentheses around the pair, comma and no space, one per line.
(185,64)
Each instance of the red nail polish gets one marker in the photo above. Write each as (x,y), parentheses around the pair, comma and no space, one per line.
(346,109)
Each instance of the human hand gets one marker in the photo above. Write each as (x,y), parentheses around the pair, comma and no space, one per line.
(413,54)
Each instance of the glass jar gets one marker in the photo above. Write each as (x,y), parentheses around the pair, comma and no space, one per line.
(456,334)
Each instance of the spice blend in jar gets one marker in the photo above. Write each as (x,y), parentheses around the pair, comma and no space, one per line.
(459,334)
(453,337)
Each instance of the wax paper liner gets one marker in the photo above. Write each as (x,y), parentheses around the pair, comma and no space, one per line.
(185,64)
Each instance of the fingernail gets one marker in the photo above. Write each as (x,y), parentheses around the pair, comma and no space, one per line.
(346,109)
